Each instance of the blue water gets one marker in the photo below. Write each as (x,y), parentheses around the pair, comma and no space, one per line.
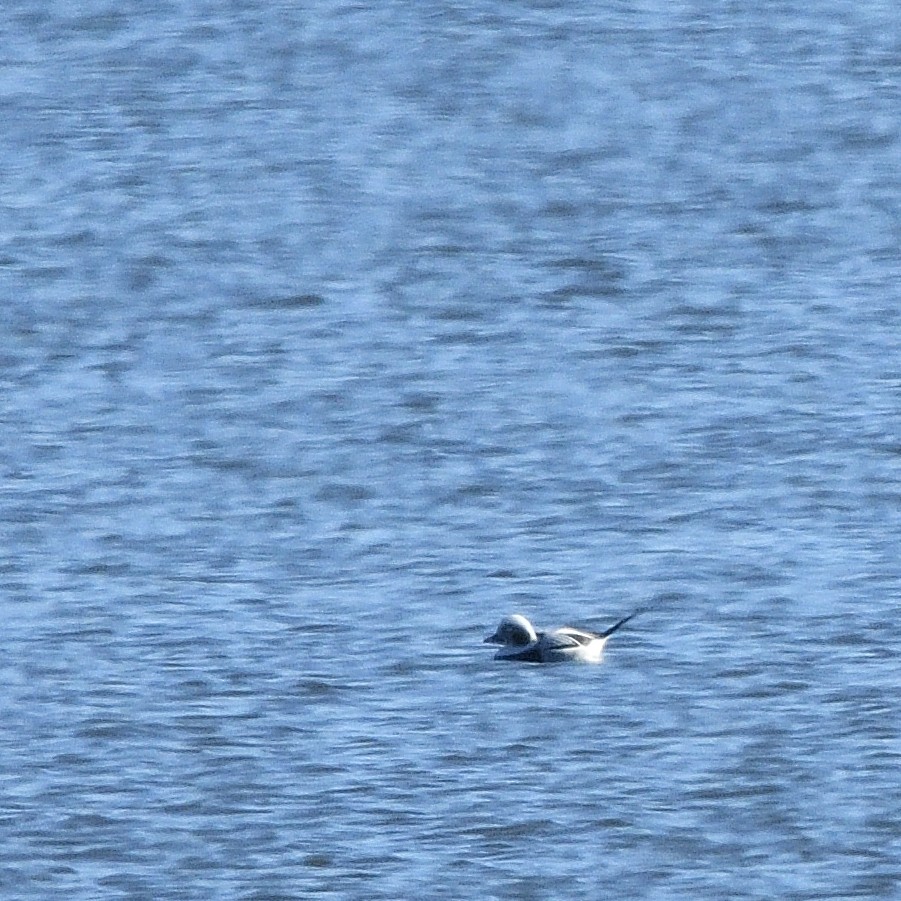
(333,332)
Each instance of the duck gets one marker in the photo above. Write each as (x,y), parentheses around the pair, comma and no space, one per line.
(519,641)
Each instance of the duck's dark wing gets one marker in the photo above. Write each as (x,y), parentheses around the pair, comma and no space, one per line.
(563,639)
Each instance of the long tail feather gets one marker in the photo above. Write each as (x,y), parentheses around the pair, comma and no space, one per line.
(620,624)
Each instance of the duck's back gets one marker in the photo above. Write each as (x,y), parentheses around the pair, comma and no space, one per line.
(570,644)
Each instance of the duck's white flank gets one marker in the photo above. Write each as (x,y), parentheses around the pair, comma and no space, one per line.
(519,641)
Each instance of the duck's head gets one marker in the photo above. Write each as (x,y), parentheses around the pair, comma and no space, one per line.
(514,630)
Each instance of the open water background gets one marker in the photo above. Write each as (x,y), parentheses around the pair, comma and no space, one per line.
(331,332)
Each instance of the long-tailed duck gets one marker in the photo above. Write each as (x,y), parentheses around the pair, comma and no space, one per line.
(520,641)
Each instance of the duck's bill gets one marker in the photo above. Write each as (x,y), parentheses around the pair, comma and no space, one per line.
(493,639)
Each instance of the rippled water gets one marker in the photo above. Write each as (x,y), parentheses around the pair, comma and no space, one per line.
(333,332)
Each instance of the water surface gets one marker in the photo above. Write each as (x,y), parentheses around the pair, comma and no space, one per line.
(333,332)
